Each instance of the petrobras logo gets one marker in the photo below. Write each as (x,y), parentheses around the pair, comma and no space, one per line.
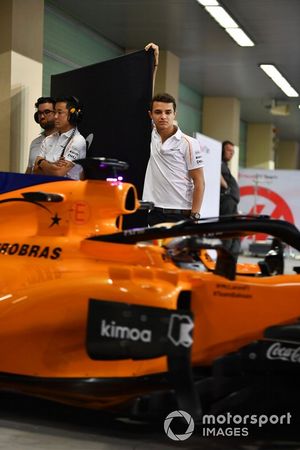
(283,353)
(114,331)
(180,328)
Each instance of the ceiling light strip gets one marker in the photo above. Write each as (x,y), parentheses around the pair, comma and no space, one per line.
(208,2)
(240,37)
(221,16)
(227,22)
(279,79)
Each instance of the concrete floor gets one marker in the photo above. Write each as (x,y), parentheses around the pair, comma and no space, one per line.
(28,424)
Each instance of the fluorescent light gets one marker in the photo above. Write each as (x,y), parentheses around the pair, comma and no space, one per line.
(208,2)
(240,37)
(278,79)
(226,21)
(221,16)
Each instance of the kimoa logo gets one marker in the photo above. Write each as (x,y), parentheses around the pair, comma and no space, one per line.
(112,330)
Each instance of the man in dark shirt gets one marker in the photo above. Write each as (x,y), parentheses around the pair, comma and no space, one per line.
(230,194)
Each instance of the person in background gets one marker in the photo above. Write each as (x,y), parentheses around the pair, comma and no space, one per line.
(62,148)
(174,180)
(230,194)
(44,116)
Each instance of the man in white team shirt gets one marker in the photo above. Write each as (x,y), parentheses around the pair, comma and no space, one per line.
(174,179)
(44,116)
(66,145)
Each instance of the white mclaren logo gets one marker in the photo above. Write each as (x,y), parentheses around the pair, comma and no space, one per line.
(114,331)
(180,328)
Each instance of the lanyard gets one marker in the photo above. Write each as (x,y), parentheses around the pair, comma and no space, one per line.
(67,143)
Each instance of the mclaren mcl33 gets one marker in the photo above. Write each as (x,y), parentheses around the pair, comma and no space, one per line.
(100,317)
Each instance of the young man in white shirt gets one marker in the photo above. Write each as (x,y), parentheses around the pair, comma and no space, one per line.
(66,145)
(174,179)
(44,116)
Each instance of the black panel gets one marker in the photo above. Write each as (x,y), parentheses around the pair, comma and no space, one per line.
(115,96)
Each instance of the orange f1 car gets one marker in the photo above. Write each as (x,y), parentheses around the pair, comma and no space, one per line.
(102,317)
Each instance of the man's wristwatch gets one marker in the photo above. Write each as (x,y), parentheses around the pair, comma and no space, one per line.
(195,216)
(40,161)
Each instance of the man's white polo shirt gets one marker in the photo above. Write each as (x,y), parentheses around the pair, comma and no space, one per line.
(167,181)
(35,148)
(53,146)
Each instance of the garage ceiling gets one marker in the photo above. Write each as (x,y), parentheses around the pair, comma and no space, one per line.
(211,62)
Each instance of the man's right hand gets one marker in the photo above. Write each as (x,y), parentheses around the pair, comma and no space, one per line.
(156,52)
(61,162)
(226,191)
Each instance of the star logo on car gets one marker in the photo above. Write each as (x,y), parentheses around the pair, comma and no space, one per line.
(55,220)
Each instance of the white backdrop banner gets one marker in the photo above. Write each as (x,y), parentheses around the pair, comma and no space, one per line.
(272,192)
(211,150)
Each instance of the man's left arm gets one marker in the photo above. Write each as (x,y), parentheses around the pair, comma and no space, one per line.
(197,176)
(61,167)
(76,151)
(58,169)
(194,160)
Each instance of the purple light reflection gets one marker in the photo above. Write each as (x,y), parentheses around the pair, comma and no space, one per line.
(114,180)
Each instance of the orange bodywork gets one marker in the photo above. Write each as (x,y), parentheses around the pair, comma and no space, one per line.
(49,271)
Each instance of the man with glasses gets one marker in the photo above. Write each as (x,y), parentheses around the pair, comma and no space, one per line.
(44,116)
(65,145)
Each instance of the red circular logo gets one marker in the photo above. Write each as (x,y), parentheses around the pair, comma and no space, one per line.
(267,202)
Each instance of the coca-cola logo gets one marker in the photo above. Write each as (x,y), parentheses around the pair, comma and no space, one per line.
(284,353)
